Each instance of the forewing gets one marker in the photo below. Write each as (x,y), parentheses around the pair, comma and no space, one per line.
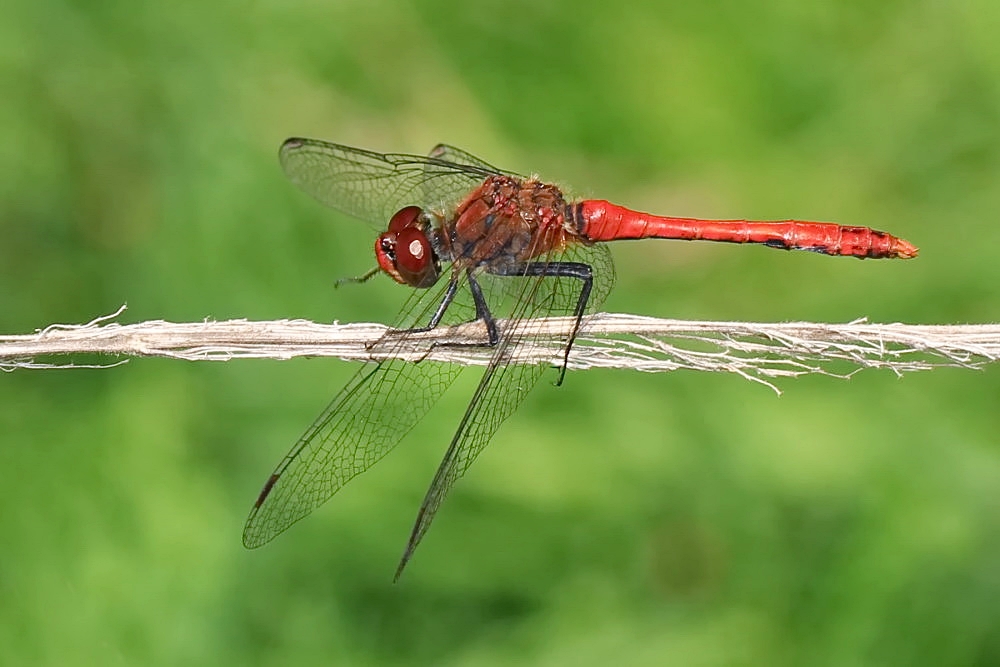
(454,155)
(362,424)
(372,186)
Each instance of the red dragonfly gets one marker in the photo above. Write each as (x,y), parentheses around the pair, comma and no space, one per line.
(518,250)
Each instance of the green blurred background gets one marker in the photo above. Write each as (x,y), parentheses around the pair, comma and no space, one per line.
(623,518)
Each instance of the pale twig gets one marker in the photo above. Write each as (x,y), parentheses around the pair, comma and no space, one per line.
(757,351)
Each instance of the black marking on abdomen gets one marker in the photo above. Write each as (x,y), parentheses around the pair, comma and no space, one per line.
(573,213)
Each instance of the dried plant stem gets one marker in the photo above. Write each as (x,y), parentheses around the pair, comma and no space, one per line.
(756,351)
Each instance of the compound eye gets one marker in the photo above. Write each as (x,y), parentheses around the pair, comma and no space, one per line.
(404,218)
(404,251)
(415,258)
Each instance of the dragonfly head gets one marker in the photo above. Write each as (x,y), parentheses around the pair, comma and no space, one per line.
(404,251)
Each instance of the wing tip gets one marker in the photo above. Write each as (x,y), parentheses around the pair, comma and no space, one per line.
(292,142)
(291,146)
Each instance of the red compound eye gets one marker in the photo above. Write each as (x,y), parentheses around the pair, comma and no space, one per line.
(405,252)
(413,251)
(403,218)
(415,259)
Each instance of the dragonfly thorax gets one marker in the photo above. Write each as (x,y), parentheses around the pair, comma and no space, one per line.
(405,252)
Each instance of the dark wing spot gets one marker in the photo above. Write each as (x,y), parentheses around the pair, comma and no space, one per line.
(268,485)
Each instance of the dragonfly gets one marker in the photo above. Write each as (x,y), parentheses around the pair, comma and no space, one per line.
(475,243)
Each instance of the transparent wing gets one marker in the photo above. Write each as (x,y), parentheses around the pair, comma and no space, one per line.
(362,424)
(372,186)
(453,155)
(507,380)
(383,401)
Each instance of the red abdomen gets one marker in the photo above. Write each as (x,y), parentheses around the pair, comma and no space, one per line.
(599,220)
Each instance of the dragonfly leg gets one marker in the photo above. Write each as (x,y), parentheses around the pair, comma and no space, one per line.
(397,334)
(578,270)
(446,300)
(449,296)
(482,313)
